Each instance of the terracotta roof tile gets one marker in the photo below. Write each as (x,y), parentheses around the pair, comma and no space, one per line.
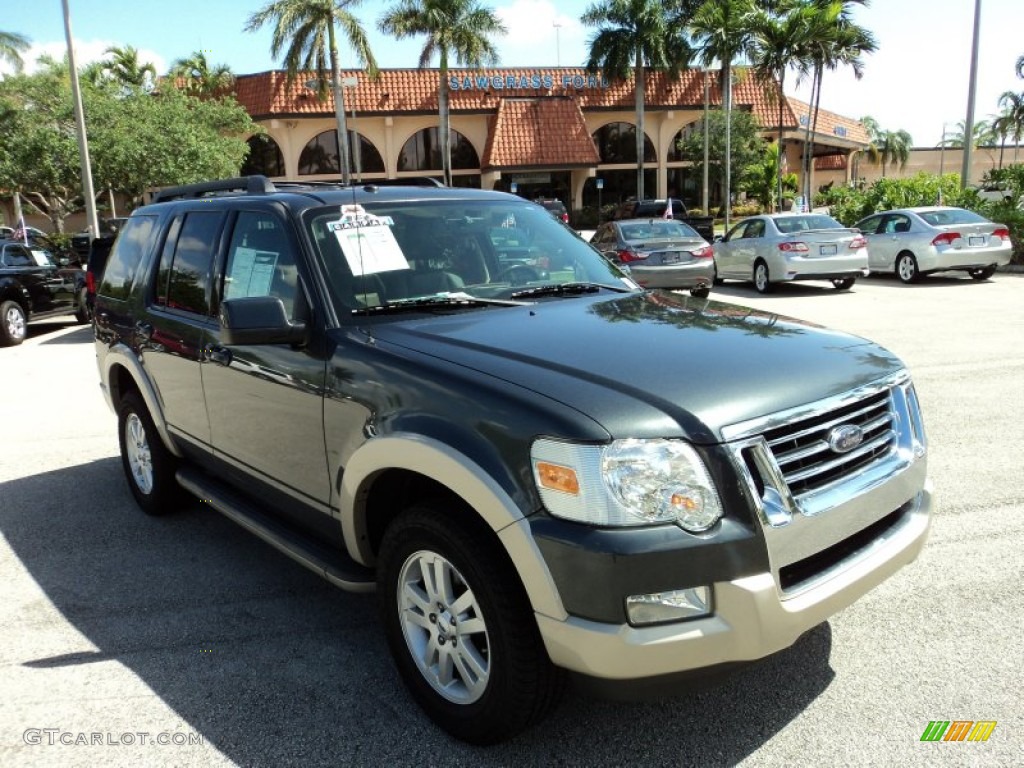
(268,94)
(830,123)
(547,131)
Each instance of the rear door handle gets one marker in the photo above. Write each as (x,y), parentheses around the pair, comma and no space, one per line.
(218,354)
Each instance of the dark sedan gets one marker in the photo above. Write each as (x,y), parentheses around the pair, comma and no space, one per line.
(659,253)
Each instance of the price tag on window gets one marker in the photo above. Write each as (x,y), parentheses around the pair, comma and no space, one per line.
(367,241)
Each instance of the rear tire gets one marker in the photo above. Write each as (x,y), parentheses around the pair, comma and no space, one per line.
(82,313)
(762,280)
(984,273)
(148,466)
(843,283)
(906,268)
(461,629)
(700,293)
(12,324)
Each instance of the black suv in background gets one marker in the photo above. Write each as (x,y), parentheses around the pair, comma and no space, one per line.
(33,287)
(448,396)
(555,207)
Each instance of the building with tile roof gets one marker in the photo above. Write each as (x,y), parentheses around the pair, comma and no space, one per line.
(541,132)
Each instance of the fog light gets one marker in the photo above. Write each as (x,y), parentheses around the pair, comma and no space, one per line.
(677,605)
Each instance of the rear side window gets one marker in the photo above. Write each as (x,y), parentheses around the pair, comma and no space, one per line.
(260,260)
(125,257)
(16,256)
(184,276)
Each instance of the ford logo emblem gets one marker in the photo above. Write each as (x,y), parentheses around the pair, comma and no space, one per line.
(845,438)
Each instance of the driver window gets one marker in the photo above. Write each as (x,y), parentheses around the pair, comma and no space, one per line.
(260,262)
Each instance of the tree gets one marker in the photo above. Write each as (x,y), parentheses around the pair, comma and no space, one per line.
(887,147)
(137,140)
(12,45)
(304,30)
(453,28)
(196,76)
(1012,105)
(1019,66)
(836,42)
(781,39)
(633,35)
(981,134)
(722,30)
(747,146)
(125,69)
(764,178)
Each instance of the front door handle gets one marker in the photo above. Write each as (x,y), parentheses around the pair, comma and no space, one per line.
(144,331)
(218,354)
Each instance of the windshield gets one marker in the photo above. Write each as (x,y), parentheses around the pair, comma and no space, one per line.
(656,229)
(488,250)
(946,216)
(788,225)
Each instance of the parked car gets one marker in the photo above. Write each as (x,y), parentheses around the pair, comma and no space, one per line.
(782,247)
(913,242)
(541,471)
(81,241)
(555,207)
(659,253)
(657,208)
(33,287)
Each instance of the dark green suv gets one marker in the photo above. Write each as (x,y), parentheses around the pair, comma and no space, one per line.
(447,396)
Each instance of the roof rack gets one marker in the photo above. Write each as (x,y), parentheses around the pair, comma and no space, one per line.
(250,185)
(408,181)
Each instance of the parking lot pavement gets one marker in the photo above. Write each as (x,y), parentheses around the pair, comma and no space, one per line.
(123,630)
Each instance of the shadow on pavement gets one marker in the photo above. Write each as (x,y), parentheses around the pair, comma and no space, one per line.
(82,334)
(273,666)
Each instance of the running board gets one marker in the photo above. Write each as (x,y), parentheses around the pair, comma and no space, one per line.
(334,565)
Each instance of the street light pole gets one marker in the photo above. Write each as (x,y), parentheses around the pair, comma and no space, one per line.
(965,170)
(704,181)
(83,141)
(558,47)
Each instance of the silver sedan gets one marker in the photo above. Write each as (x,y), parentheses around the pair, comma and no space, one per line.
(659,253)
(915,241)
(781,247)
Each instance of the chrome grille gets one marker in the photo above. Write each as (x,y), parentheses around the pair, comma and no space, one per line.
(802,450)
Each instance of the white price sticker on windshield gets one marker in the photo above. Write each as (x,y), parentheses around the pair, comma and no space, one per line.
(367,241)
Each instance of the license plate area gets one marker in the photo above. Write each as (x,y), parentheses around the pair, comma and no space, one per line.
(827,250)
(670,257)
(976,241)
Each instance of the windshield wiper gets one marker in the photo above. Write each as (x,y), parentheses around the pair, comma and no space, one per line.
(567,289)
(455,300)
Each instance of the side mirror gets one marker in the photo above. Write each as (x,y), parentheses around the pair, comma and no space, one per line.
(719,239)
(258,320)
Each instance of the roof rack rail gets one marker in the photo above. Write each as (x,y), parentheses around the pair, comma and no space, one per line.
(250,185)
(407,181)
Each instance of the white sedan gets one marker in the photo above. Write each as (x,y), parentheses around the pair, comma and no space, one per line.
(915,241)
(781,247)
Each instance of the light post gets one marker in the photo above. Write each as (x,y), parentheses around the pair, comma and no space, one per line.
(704,181)
(942,160)
(83,141)
(353,82)
(965,169)
(558,48)
(600,187)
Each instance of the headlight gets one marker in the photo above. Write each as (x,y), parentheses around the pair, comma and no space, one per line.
(630,482)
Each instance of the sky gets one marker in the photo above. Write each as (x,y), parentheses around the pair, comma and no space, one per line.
(916,81)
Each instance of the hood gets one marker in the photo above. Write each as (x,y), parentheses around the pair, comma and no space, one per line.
(655,364)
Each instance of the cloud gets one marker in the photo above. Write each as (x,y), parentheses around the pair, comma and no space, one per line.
(540,35)
(86,51)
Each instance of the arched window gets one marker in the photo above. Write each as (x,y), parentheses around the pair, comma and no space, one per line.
(684,133)
(320,155)
(264,157)
(422,152)
(616,142)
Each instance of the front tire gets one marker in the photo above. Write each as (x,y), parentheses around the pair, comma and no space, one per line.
(461,629)
(843,283)
(906,268)
(983,273)
(762,280)
(148,466)
(13,324)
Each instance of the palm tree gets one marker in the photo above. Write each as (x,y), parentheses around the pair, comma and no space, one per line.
(781,39)
(1019,66)
(304,30)
(125,69)
(11,47)
(981,134)
(723,30)
(836,42)
(199,77)
(1012,105)
(633,35)
(453,28)
(887,147)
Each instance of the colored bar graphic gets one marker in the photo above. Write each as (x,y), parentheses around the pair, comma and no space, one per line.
(958,730)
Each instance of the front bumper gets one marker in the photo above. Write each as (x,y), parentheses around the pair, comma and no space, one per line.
(751,619)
